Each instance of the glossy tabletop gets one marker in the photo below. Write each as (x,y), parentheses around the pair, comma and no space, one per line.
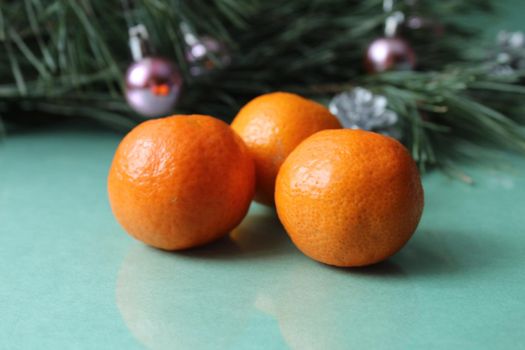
(71,278)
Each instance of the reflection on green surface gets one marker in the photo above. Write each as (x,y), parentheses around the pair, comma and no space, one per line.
(443,288)
(203,299)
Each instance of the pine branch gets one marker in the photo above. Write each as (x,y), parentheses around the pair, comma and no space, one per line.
(65,58)
(449,105)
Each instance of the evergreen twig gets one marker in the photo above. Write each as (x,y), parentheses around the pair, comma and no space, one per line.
(67,58)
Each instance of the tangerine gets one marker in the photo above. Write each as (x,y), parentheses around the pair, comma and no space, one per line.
(272,125)
(181,181)
(349,197)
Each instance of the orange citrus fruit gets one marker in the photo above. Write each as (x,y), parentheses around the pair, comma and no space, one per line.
(349,197)
(272,125)
(181,181)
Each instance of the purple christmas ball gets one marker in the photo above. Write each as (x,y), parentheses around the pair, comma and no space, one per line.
(385,54)
(153,85)
(205,54)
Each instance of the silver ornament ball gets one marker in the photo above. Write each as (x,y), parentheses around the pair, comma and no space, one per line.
(153,86)
(389,53)
(205,54)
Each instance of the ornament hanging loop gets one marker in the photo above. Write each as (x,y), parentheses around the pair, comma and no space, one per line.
(393,23)
(139,42)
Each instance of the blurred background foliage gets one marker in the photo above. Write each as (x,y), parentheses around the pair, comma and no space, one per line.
(65,60)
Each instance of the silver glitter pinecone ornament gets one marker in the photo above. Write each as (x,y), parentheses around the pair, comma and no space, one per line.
(361,109)
(510,55)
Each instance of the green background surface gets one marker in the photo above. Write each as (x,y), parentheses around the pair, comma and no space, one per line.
(71,278)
